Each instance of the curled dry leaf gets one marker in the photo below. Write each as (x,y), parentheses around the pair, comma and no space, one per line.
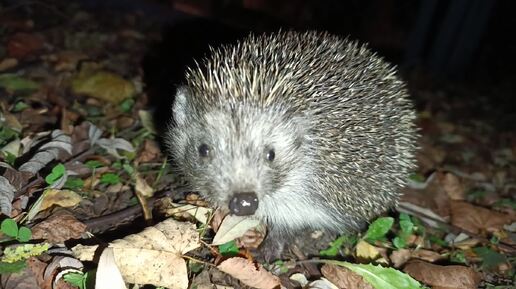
(150,152)
(344,278)
(249,273)
(54,197)
(400,257)
(158,248)
(477,219)
(169,235)
(59,227)
(48,152)
(6,196)
(452,185)
(233,227)
(459,277)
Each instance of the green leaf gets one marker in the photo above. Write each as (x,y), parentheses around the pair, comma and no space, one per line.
(128,168)
(406,224)
(14,267)
(76,279)
(195,267)
(379,228)
(381,277)
(24,234)
(93,164)
(416,177)
(399,242)
(126,105)
(334,247)
(9,157)
(490,259)
(74,183)
(15,83)
(458,257)
(9,227)
(57,172)
(6,134)
(109,179)
(228,249)
(20,106)
(436,240)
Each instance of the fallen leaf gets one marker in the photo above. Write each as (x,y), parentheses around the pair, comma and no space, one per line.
(322,283)
(16,83)
(381,277)
(477,219)
(159,247)
(233,227)
(103,85)
(8,63)
(344,278)
(459,277)
(62,198)
(23,44)
(400,257)
(61,226)
(427,255)
(108,275)
(249,273)
(431,197)
(142,187)
(367,251)
(150,152)
(6,196)
(199,213)
(452,185)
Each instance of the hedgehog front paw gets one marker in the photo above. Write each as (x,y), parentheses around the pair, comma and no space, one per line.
(270,249)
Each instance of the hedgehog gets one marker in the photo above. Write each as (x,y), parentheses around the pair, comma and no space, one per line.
(302,130)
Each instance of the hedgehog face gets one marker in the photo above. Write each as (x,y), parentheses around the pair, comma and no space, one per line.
(238,156)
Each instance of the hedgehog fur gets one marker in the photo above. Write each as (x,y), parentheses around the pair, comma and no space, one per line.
(334,116)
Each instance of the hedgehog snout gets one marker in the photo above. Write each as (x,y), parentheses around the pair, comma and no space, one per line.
(243,203)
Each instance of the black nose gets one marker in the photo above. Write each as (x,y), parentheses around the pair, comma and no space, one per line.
(243,204)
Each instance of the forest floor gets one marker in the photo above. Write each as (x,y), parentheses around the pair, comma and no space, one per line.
(86,190)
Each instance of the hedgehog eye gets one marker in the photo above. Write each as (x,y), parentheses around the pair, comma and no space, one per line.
(204,150)
(271,155)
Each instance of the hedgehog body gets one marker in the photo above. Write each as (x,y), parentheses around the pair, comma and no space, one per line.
(318,129)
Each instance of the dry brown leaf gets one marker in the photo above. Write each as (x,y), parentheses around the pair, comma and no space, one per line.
(8,63)
(22,44)
(452,185)
(344,278)
(459,277)
(252,238)
(427,255)
(62,198)
(150,152)
(400,257)
(477,219)
(59,227)
(432,197)
(249,273)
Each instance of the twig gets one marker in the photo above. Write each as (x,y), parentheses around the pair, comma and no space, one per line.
(507,247)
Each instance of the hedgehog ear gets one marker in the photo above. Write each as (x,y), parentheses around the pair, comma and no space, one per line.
(180,106)
(302,126)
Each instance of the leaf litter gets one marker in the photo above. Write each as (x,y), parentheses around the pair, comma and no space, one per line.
(79,155)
